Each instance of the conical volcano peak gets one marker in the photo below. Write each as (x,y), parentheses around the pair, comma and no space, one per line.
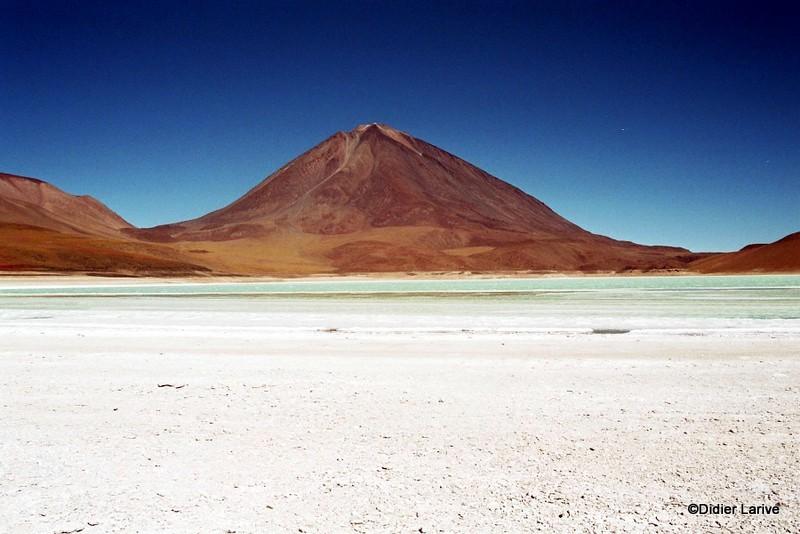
(377,198)
(381,128)
(379,125)
(377,129)
(375,177)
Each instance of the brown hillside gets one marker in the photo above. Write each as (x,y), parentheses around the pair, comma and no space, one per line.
(42,228)
(31,248)
(29,201)
(781,256)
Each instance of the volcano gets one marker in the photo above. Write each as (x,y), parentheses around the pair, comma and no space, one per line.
(378,199)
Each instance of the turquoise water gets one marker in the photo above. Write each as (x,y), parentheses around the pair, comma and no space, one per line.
(677,303)
(757,285)
(756,302)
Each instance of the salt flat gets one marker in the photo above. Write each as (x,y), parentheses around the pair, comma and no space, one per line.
(391,415)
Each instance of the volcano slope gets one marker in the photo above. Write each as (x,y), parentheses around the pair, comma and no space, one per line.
(375,199)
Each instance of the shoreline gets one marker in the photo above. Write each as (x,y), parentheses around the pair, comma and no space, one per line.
(84,280)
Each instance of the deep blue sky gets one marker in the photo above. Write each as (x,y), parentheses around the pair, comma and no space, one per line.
(675,124)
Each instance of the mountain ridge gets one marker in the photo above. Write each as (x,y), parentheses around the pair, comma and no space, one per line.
(371,199)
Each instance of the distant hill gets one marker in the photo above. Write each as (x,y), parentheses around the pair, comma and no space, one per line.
(29,201)
(781,256)
(42,228)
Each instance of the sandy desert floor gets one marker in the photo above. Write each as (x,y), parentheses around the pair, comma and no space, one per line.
(128,420)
